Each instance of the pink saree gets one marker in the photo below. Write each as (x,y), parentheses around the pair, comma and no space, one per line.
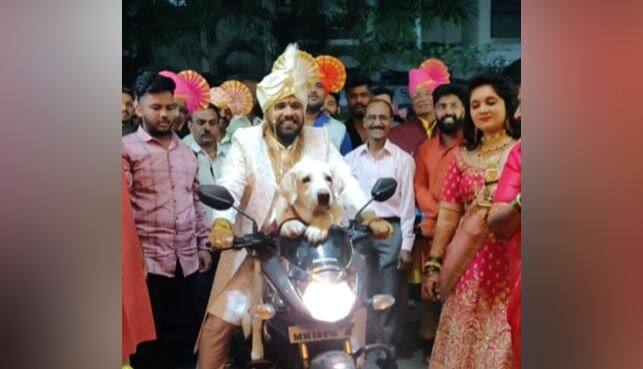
(508,187)
(473,331)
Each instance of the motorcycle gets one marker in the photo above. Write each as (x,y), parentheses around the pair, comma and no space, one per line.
(312,291)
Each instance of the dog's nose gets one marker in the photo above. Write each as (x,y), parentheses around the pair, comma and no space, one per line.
(323,198)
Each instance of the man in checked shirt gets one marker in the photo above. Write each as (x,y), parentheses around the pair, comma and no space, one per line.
(170,221)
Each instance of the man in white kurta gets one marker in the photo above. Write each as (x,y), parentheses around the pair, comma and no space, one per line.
(259,156)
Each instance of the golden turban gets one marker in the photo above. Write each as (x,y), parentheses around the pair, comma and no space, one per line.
(293,72)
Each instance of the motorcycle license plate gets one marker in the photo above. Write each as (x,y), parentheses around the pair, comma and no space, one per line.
(298,334)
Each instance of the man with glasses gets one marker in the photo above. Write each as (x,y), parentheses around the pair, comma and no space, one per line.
(377,158)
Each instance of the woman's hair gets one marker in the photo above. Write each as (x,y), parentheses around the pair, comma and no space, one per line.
(504,87)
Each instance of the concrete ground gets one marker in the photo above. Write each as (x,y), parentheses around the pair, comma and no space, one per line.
(413,359)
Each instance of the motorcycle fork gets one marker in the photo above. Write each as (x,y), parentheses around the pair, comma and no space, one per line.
(303,352)
(348,347)
(305,355)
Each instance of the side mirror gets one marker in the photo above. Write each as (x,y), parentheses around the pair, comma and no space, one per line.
(216,197)
(219,198)
(383,189)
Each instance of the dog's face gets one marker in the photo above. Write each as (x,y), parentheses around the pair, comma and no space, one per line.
(312,184)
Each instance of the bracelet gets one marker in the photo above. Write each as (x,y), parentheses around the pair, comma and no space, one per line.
(433,265)
(516,204)
(430,271)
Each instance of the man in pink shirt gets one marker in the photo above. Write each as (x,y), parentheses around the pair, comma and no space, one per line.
(377,158)
(161,174)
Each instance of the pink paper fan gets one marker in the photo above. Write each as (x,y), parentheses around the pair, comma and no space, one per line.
(197,92)
(181,91)
(178,81)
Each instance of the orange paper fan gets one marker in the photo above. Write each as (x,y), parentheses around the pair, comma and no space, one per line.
(332,73)
(220,98)
(198,90)
(241,102)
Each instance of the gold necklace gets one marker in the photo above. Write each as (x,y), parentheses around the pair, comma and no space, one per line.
(494,143)
(489,157)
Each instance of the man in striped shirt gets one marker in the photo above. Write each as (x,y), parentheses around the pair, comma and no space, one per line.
(170,222)
(378,158)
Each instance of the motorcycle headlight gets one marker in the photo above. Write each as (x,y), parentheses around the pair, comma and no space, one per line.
(328,301)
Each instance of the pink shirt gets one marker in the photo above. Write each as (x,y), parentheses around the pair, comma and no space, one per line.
(170,218)
(392,162)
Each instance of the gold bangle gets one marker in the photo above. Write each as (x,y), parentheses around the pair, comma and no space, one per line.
(516,204)
(431,267)
(430,271)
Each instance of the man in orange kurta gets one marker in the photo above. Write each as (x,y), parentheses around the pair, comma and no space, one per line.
(431,163)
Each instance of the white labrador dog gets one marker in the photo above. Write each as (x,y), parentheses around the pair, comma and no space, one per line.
(308,201)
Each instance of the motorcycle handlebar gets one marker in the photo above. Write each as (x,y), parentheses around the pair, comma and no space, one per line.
(251,241)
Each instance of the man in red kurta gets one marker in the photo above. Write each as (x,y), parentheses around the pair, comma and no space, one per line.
(138,324)
(431,163)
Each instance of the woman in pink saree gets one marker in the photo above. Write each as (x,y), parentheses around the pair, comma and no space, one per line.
(504,222)
(473,331)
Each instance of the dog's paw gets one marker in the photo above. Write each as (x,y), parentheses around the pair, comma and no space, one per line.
(315,235)
(292,229)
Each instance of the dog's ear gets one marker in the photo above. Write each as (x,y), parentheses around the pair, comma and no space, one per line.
(338,183)
(288,187)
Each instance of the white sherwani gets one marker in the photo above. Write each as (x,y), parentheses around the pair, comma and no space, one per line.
(247,173)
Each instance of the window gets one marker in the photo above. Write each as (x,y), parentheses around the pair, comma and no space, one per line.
(505,18)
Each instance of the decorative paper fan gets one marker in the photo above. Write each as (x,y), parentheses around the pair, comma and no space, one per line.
(437,72)
(240,96)
(305,63)
(220,98)
(178,81)
(197,92)
(332,73)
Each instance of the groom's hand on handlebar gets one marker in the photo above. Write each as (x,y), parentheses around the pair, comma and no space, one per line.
(221,235)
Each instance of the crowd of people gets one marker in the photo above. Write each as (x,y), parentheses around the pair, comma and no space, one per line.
(452,227)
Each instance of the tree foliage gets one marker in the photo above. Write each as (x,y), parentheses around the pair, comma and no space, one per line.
(225,36)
